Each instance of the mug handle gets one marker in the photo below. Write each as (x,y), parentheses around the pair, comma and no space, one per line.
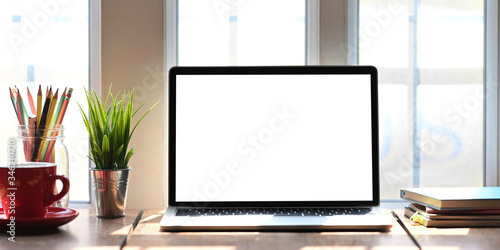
(53,198)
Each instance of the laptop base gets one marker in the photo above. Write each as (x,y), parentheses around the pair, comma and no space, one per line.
(376,221)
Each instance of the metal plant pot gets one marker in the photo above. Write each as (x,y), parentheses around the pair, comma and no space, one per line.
(110,188)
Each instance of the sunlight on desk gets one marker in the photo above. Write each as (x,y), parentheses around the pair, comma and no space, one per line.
(413,247)
(154,216)
(183,248)
(121,231)
(219,233)
(360,247)
(335,247)
(97,248)
(421,230)
(349,233)
(125,230)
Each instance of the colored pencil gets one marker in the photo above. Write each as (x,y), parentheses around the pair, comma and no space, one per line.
(41,119)
(59,107)
(65,106)
(60,118)
(12,98)
(38,105)
(53,104)
(41,128)
(48,128)
(45,110)
(31,133)
(32,104)
(22,108)
(43,147)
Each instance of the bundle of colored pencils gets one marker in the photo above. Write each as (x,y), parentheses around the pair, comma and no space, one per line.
(40,122)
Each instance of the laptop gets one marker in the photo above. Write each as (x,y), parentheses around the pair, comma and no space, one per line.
(273,148)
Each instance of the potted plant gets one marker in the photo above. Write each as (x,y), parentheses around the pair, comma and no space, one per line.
(109,126)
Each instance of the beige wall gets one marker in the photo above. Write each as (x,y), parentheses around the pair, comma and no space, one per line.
(133,57)
(333,33)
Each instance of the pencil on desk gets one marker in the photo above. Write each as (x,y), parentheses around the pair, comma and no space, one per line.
(400,222)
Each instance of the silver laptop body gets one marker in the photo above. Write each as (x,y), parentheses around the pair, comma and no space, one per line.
(273,148)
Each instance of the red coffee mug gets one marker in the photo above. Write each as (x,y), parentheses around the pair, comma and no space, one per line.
(27,190)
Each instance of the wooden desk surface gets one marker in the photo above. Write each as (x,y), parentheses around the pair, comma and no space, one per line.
(89,232)
(147,234)
(83,232)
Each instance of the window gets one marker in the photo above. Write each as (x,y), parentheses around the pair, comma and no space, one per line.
(430,57)
(438,99)
(227,32)
(46,42)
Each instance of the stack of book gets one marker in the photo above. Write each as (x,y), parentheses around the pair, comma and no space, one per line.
(453,207)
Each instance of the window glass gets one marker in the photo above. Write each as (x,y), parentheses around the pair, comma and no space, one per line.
(236,32)
(431,63)
(46,43)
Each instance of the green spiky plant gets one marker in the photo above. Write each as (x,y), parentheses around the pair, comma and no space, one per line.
(109,128)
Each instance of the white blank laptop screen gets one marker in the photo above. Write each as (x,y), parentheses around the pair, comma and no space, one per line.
(265,138)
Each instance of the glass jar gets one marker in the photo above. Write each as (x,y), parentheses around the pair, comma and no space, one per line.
(44,144)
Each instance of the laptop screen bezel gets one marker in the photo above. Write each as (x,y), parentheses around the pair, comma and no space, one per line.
(271,70)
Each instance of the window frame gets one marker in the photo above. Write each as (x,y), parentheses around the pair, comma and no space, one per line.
(94,63)
(491,177)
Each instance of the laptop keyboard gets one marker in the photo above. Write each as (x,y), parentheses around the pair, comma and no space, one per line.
(272,211)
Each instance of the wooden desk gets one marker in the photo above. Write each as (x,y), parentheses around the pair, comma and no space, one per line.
(147,235)
(88,232)
(85,232)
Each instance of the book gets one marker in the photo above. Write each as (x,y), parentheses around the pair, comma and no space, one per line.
(454,198)
(429,222)
(430,210)
(456,215)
